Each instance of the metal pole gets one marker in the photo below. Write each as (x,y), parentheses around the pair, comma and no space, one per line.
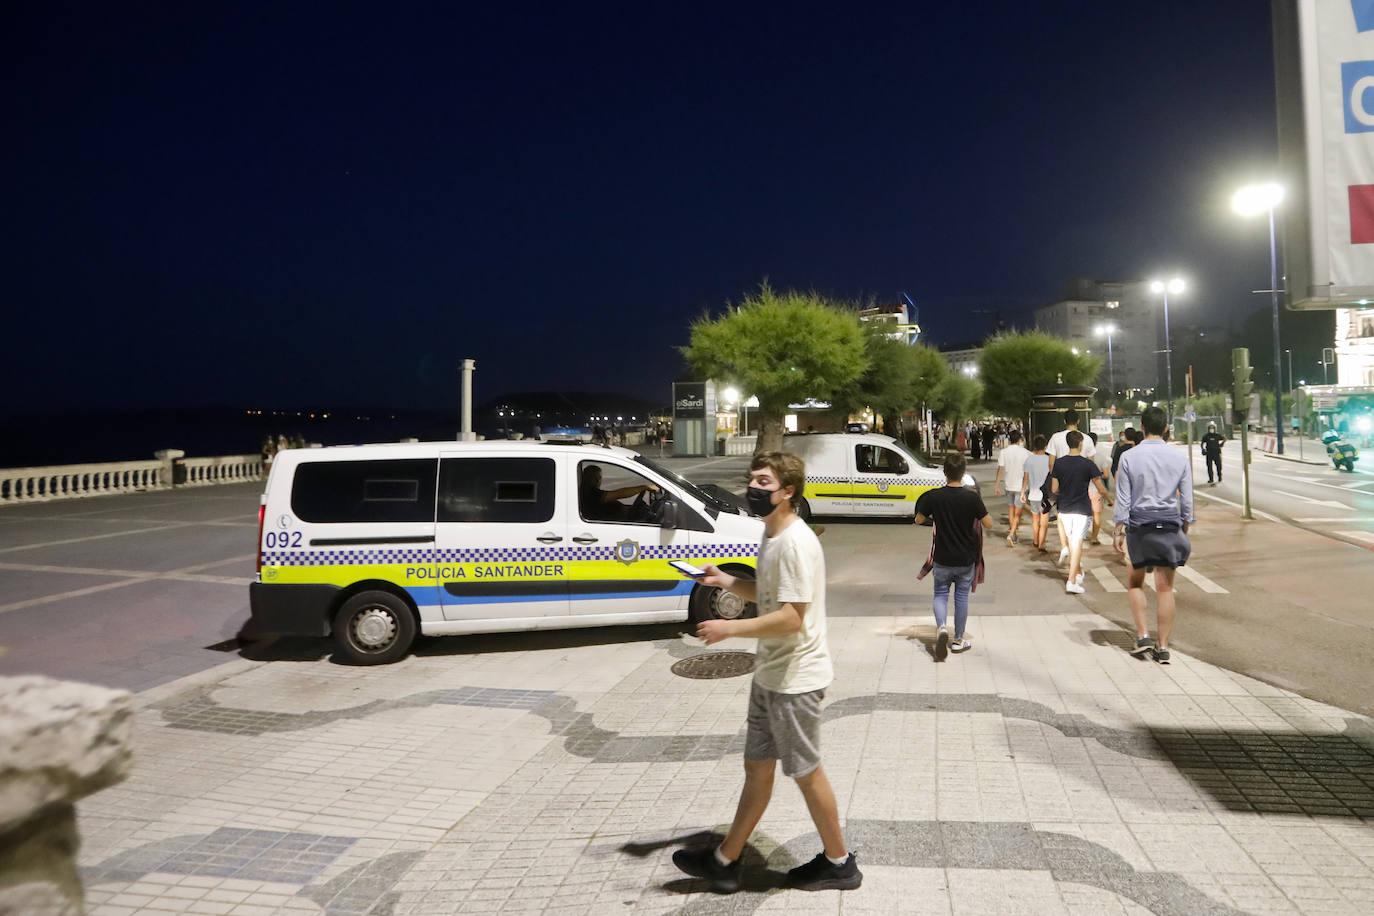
(1111,364)
(1245,468)
(1274,298)
(466,434)
(1168,357)
(1192,421)
(1297,405)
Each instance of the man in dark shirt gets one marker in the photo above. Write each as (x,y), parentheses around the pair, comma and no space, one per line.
(1069,480)
(956,552)
(1211,450)
(1125,442)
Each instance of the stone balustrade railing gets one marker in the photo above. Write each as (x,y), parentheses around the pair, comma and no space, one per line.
(70,481)
(741,445)
(223,469)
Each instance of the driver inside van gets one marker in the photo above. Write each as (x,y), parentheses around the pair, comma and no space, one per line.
(604,505)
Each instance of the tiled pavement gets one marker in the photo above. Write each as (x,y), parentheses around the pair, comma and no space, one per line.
(1046,771)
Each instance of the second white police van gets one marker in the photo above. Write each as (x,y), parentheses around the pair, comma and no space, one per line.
(378,543)
(864,475)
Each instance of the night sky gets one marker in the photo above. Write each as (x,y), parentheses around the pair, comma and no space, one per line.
(310,204)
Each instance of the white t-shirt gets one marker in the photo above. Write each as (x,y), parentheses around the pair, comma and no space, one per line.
(1103,460)
(792,570)
(1012,461)
(1059,446)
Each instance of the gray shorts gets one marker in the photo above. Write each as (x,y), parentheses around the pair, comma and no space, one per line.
(1148,546)
(1014,499)
(786,727)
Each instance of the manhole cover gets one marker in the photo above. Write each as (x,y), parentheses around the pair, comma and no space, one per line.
(712,665)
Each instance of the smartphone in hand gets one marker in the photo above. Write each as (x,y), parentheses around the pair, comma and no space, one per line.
(687,569)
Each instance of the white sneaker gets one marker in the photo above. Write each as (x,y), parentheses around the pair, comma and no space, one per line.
(1078,580)
(1063,554)
(1073,588)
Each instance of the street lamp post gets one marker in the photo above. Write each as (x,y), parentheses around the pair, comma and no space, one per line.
(1172,286)
(1107,330)
(1252,200)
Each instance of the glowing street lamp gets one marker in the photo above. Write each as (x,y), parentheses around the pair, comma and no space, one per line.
(1107,329)
(1174,286)
(1252,200)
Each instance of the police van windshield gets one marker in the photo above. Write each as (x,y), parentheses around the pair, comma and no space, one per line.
(714,502)
(908,454)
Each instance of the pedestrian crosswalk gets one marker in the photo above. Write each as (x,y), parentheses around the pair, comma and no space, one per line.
(1112,578)
(1106,579)
(1112,575)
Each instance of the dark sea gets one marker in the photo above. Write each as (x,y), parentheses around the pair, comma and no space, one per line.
(36,440)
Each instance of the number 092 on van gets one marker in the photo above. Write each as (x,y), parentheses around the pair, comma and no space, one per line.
(376,544)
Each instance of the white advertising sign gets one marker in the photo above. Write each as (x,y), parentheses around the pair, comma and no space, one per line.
(1328,148)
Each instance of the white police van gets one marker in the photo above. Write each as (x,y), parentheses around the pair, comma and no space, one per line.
(376,543)
(864,475)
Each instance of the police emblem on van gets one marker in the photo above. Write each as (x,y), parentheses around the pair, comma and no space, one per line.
(627,551)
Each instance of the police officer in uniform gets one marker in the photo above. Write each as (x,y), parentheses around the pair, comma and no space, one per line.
(1211,451)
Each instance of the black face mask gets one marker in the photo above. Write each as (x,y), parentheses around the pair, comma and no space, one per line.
(760,501)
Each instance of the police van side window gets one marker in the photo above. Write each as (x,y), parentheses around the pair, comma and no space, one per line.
(496,490)
(874,459)
(364,491)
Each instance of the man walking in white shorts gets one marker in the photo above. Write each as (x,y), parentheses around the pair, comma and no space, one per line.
(791,673)
(1070,479)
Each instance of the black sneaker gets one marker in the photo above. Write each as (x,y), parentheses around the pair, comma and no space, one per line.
(820,875)
(1143,645)
(942,644)
(1162,656)
(701,863)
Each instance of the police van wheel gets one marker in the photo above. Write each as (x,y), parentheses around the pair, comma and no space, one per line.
(374,628)
(804,510)
(711,603)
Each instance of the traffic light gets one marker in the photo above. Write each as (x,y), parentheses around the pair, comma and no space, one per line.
(1241,386)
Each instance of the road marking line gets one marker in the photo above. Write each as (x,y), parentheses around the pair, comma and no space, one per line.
(1201,581)
(1342,518)
(1107,580)
(1366,536)
(1319,502)
(1260,512)
(96,537)
(185,574)
(48,599)
(1310,481)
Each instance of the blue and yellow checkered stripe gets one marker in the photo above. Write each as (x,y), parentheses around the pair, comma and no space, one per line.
(426,555)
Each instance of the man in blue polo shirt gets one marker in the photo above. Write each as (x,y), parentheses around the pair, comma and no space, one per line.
(1154,507)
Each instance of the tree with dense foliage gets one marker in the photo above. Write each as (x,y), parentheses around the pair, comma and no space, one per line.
(899,377)
(782,348)
(956,398)
(1016,365)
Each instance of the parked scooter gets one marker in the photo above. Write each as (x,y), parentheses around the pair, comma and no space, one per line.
(1341,453)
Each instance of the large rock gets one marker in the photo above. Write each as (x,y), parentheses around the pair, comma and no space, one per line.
(59,741)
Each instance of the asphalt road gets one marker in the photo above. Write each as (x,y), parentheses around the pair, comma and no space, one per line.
(1317,497)
(136,591)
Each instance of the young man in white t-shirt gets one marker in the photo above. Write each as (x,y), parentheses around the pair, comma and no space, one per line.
(1011,463)
(790,676)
